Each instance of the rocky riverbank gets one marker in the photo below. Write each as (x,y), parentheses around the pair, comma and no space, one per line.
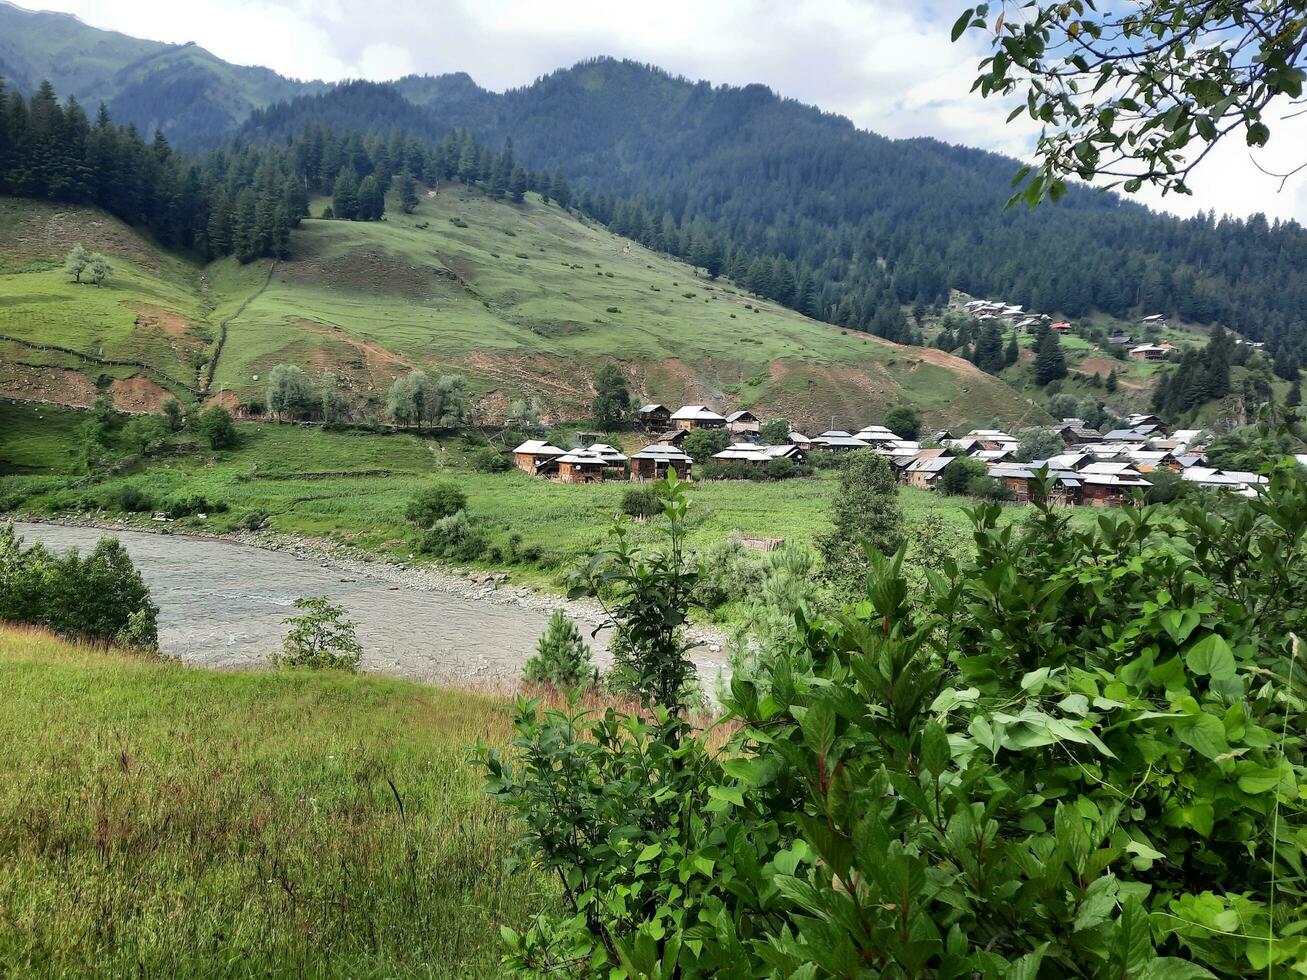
(489,587)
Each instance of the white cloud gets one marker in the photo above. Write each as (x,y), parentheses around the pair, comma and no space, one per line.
(886,64)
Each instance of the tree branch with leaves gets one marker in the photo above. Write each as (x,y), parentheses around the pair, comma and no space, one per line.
(1138,93)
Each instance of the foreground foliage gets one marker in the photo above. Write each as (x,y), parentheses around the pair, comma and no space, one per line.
(1079,754)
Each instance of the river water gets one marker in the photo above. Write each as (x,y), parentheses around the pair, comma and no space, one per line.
(221,604)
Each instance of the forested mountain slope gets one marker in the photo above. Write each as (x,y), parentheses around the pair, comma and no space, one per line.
(872,222)
(523,300)
(182,88)
(839,223)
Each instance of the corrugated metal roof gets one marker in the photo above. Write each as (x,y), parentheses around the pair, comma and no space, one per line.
(538,447)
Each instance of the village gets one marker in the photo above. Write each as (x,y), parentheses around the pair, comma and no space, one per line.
(1097,469)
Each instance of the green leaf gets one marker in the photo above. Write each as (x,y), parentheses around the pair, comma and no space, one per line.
(728,794)
(650,852)
(935,753)
(1172,968)
(818,726)
(1211,657)
(1258,134)
(1204,733)
(960,25)
(1179,623)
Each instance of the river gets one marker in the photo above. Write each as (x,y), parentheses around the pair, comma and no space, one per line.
(221,604)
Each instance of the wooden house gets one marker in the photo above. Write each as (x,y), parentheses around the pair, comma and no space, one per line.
(743,423)
(584,465)
(655,417)
(926,467)
(1111,483)
(535,453)
(653,462)
(672,437)
(697,417)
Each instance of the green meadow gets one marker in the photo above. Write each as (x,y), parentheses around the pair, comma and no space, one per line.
(162,820)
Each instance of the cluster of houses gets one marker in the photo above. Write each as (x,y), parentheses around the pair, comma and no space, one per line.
(1095,468)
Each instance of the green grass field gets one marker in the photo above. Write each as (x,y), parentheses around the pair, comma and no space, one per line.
(162,820)
(522,300)
(352,488)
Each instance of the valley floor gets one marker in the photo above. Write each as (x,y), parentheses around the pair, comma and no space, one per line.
(349,490)
(162,820)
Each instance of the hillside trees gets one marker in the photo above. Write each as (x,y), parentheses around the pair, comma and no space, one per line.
(1050,362)
(418,400)
(904,421)
(611,405)
(290,392)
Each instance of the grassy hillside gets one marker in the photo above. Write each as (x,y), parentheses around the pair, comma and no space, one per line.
(523,300)
(160,820)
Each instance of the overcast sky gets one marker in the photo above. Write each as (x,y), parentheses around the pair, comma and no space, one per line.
(886,64)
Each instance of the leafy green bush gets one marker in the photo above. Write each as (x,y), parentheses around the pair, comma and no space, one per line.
(642,500)
(320,637)
(454,537)
(442,499)
(488,460)
(1079,754)
(129,499)
(562,658)
(253,521)
(215,427)
(729,571)
(101,597)
(190,504)
(701,444)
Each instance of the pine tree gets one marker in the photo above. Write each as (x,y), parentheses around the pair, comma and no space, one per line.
(1050,364)
(517,185)
(408,193)
(1013,352)
(562,193)
(989,348)
(345,196)
(1110,384)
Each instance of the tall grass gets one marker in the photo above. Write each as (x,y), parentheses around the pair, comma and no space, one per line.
(160,820)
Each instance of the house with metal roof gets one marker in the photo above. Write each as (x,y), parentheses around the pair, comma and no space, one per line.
(654,417)
(653,462)
(589,465)
(533,453)
(697,417)
(743,422)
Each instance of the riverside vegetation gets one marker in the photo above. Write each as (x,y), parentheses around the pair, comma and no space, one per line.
(1078,753)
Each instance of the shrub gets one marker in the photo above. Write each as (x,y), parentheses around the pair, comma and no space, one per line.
(101,597)
(442,499)
(702,444)
(729,571)
(454,537)
(957,476)
(191,504)
(320,637)
(253,521)
(1039,769)
(562,658)
(215,428)
(130,499)
(642,500)
(488,460)
(985,487)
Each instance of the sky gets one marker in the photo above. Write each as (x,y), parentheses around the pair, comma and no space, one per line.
(886,64)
